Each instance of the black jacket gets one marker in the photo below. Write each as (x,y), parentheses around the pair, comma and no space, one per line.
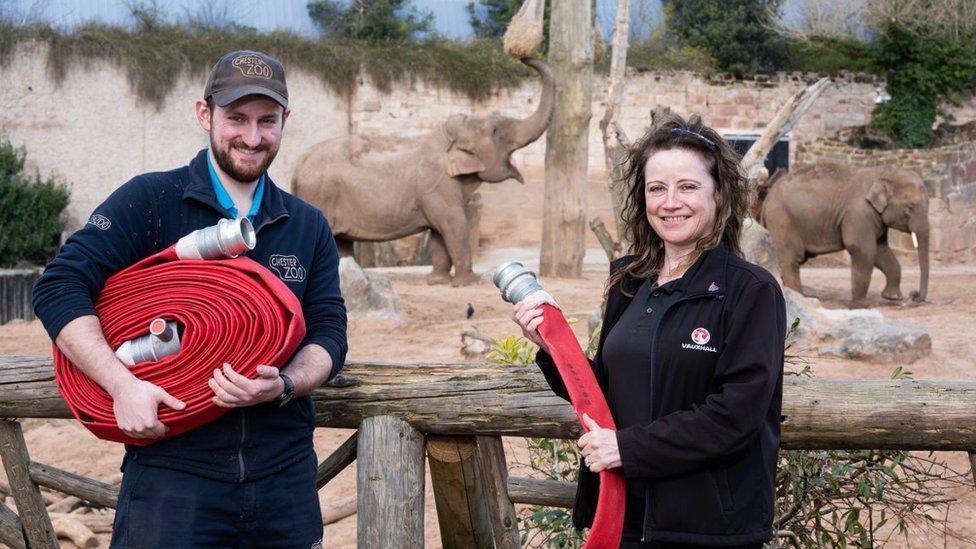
(709,454)
(147,215)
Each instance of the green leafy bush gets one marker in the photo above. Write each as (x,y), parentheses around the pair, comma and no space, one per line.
(30,212)
(923,70)
(738,34)
(373,21)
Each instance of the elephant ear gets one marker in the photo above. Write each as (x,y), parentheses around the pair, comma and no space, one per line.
(878,195)
(460,159)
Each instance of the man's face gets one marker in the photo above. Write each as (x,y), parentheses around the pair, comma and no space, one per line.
(245,135)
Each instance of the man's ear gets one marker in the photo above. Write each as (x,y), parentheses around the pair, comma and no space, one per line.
(284,117)
(203,114)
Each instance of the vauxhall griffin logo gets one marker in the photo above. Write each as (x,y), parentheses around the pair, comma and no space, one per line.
(287,268)
(701,337)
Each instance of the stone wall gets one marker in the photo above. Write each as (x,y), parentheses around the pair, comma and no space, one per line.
(949,172)
(92,131)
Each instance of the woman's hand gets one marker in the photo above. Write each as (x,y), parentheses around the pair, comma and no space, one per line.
(529,316)
(599,447)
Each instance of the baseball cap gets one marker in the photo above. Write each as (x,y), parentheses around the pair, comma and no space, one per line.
(246,72)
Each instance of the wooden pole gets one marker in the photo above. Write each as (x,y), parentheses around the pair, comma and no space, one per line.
(338,460)
(11,529)
(567,141)
(535,491)
(88,489)
(462,512)
(390,484)
(30,505)
(493,472)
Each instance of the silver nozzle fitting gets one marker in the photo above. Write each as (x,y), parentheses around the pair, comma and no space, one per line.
(515,281)
(163,340)
(227,239)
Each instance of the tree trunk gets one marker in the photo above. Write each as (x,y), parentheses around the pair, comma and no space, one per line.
(615,141)
(567,151)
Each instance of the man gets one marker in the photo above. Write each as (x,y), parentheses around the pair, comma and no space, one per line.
(246,479)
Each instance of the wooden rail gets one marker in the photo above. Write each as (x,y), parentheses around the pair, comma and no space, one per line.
(459,411)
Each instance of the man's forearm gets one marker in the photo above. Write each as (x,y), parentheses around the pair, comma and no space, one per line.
(309,368)
(83,342)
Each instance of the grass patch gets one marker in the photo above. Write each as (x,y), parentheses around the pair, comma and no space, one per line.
(156,56)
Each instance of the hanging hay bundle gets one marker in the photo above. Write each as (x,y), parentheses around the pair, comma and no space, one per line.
(524,33)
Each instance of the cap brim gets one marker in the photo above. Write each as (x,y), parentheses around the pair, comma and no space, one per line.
(224,98)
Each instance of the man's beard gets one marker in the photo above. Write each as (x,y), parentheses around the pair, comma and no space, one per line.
(243,174)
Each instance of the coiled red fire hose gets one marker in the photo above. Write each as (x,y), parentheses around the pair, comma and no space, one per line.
(233,310)
(518,283)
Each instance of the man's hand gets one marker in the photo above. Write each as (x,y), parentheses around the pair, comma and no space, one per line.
(136,403)
(232,390)
(599,447)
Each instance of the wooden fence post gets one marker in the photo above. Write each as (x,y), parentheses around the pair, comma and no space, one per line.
(30,505)
(11,529)
(390,484)
(494,482)
(461,510)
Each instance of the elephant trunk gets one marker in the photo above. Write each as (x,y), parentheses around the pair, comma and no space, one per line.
(922,234)
(529,129)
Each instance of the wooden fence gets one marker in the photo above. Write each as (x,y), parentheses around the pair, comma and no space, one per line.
(453,414)
(15,293)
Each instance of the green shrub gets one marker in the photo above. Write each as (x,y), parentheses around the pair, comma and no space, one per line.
(738,34)
(373,21)
(30,212)
(923,69)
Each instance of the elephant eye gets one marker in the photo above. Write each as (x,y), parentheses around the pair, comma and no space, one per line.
(495,132)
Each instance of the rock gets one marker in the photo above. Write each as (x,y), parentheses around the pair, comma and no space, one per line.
(860,334)
(594,319)
(871,339)
(757,247)
(475,343)
(367,294)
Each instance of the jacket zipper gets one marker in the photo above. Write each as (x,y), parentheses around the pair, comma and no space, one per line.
(268,222)
(657,333)
(240,449)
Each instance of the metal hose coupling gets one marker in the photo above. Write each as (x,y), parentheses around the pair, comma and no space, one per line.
(227,239)
(163,340)
(518,283)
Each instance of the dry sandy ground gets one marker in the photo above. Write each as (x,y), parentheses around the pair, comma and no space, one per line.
(435,317)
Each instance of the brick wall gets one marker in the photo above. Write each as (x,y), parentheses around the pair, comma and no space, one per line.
(949,172)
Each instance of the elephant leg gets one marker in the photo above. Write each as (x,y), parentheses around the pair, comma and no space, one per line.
(441,274)
(456,239)
(790,252)
(862,264)
(886,261)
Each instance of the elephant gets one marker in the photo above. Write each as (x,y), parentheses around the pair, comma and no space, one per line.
(830,207)
(384,188)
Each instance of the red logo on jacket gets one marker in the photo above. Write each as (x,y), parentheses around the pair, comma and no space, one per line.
(700,336)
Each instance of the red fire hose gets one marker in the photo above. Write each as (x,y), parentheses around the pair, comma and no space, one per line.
(233,310)
(586,397)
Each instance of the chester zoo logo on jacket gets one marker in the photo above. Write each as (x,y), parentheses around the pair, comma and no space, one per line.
(701,337)
(287,268)
(100,221)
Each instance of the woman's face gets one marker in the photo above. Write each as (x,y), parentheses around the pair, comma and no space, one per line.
(680,196)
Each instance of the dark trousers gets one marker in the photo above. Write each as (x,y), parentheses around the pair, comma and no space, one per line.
(163,508)
(665,545)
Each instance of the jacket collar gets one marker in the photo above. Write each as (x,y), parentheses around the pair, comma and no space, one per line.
(706,276)
(200,188)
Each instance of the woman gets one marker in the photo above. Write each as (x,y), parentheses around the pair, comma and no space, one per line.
(690,357)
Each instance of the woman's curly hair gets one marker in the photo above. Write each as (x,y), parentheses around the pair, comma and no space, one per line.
(731,192)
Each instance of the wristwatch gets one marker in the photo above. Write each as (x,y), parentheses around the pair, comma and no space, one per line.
(286,395)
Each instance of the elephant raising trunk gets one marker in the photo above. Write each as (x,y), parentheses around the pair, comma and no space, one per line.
(374,188)
(527,130)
